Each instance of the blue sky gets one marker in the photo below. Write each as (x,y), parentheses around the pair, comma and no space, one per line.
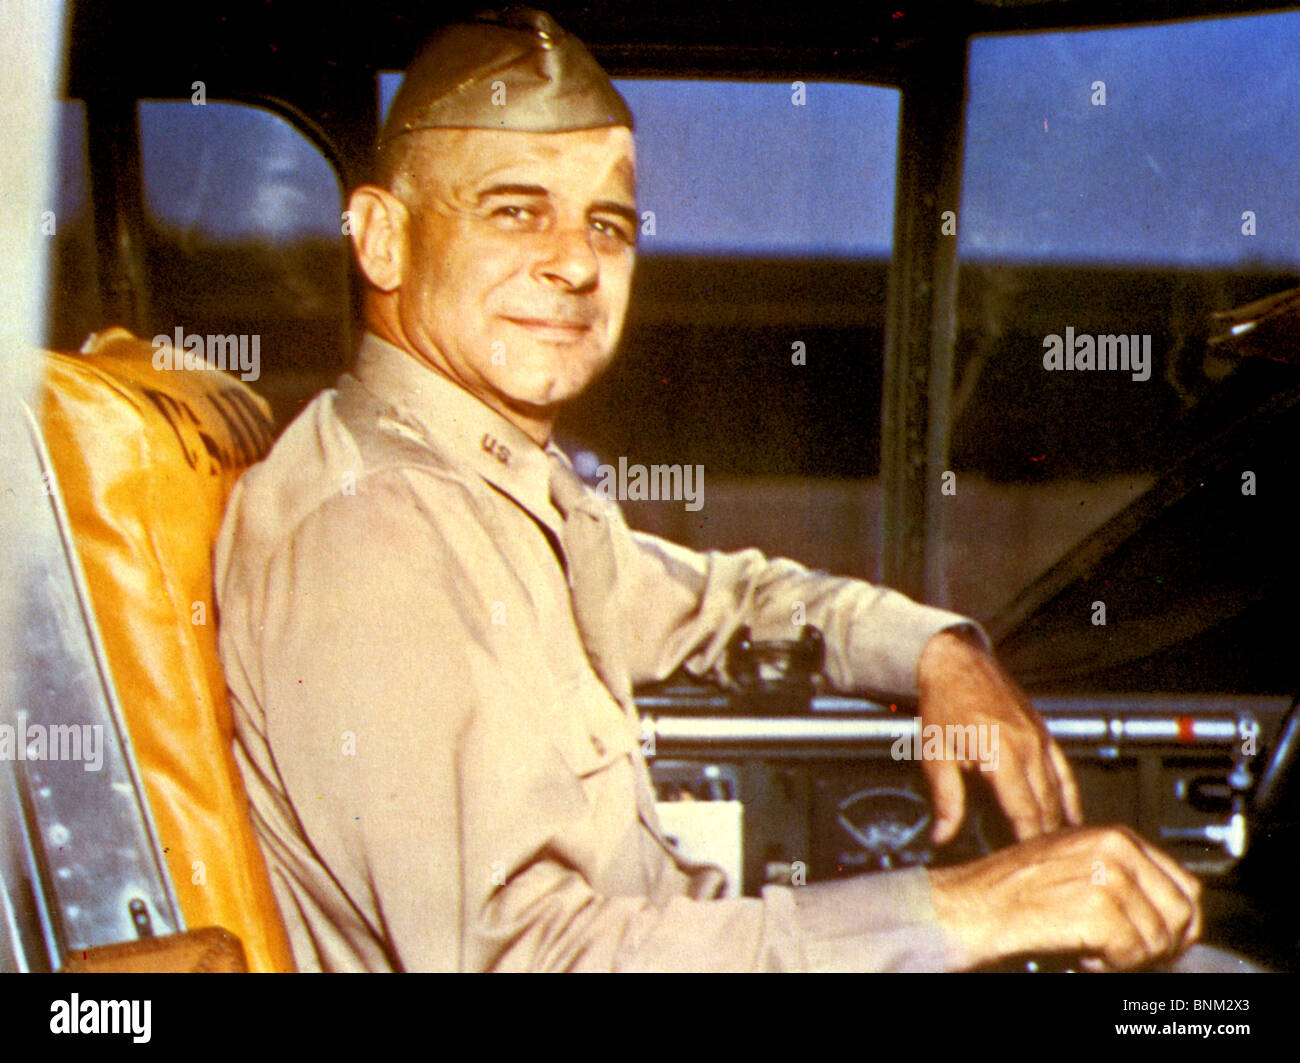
(1201,123)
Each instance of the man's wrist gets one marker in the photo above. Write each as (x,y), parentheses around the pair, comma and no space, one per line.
(952,648)
(961,923)
(969,633)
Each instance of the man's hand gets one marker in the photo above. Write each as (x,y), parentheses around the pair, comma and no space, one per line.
(961,684)
(1102,894)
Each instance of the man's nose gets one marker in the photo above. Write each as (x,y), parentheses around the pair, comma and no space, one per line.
(570,261)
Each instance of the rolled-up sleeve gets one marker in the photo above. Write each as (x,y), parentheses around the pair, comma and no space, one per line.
(681,607)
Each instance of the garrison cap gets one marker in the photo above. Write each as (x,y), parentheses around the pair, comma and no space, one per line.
(515,70)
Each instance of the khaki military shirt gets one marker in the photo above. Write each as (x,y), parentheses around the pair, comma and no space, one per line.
(438,775)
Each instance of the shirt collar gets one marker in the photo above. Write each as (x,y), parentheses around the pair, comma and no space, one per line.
(471,434)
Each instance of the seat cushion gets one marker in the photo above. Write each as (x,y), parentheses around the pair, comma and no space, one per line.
(146,457)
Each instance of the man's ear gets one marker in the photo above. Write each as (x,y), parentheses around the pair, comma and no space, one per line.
(379,221)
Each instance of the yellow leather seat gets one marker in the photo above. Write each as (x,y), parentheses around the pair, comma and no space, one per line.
(145,459)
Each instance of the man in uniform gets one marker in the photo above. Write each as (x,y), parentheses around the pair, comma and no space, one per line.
(431,628)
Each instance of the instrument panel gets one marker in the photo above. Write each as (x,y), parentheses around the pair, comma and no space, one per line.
(838,788)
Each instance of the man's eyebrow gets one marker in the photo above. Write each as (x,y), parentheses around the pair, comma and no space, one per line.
(512,190)
(609,206)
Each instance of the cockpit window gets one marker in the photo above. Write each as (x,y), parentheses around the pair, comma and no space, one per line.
(1148,146)
(1120,186)
(245,236)
(740,169)
(226,173)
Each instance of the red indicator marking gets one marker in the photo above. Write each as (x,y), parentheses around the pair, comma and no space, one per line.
(1185,731)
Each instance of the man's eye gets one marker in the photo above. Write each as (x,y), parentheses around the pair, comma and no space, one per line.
(619,230)
(514,212)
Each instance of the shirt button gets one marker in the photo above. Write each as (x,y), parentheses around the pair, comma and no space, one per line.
(598,746)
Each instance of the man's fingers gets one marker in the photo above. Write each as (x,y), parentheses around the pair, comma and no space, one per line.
(1154,909)
(1182,886)
(1151,886)
(947,798)
(1040,774)
(1025,795)
(1068,784)
(1019,802)
(1103,894)
(1035,786)
(1188,883)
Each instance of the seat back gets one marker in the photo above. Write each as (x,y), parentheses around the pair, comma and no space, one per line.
(146,453)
